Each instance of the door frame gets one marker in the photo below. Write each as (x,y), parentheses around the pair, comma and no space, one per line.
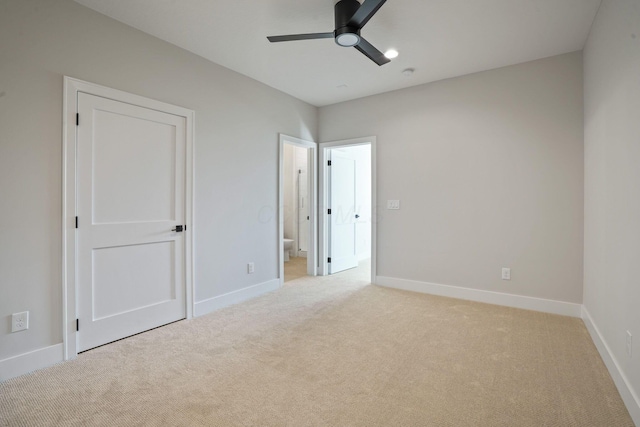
(312,257)
(72,87)
(323,247)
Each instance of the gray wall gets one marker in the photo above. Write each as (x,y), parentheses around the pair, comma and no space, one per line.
(612,181)
(236,153)
(489,171)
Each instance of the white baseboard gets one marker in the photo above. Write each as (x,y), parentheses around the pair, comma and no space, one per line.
(31,361)
(629,395)
(489,297)
(221,301)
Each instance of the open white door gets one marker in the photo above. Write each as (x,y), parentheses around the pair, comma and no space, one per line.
(131,213)
(342,205)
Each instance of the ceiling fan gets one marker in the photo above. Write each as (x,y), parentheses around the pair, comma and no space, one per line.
(350,17)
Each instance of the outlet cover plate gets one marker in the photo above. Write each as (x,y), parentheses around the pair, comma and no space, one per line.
(506,274)
(20,321)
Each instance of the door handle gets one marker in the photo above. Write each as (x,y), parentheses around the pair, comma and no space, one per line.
(178,229)
(357,216)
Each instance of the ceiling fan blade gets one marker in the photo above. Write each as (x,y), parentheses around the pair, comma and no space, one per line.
(365,12)
(292,37)
(371,52)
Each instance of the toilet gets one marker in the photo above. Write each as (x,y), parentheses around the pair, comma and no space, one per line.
(288,245)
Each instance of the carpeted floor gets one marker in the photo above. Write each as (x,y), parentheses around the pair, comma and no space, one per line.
(333,351)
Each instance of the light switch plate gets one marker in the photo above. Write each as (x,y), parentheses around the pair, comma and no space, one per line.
(393,204)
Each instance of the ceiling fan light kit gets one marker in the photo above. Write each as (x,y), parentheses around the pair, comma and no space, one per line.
(347,39)
(350,17)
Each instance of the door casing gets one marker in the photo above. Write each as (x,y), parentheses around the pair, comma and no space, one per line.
(69,198)
(323,201)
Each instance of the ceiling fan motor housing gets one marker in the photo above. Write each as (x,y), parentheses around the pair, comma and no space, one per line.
(344,34)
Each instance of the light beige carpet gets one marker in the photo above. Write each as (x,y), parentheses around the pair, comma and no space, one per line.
(333,352)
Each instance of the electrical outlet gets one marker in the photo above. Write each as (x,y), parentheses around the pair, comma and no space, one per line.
(629,344)
(506,274)
(19,321)
(251,268)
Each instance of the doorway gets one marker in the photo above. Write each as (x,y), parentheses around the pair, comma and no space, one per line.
(127,218)
(347,206)
(297,208)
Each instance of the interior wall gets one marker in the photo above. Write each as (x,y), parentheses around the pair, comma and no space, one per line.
(488,169)
(294,165)
(236,153)
(612,174)
(288,165)
(301,183)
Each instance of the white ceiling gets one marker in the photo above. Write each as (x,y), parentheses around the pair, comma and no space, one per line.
(438,38)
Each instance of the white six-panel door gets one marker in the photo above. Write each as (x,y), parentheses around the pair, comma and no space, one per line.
(130,195)
(342,221)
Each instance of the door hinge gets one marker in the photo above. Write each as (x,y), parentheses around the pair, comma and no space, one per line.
(329,163)
(76,222)
(77,119)
(77,325)
(328,211)
(329,260)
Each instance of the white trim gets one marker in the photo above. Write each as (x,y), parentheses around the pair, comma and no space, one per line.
(27,362)
(69,268)
(190,173)
(489,297)
(628,394)
(235,297)
(312,173)
(323,201)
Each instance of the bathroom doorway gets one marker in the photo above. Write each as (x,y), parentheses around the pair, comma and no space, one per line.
(297,209)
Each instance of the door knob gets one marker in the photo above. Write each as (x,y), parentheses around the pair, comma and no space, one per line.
(178,229)
(357,216)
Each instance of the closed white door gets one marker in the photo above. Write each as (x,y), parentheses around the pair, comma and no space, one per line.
(131,195)
(342,220)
